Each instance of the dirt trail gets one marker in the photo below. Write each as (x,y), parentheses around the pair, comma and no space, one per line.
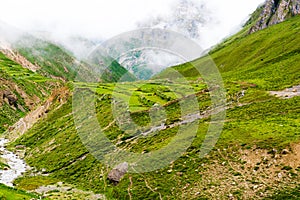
(287,93)
(185,120)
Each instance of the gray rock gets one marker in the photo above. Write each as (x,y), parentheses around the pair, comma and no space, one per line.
(116,174)
(276,11)
(12,99)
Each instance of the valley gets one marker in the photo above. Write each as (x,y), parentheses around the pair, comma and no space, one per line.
(62,135)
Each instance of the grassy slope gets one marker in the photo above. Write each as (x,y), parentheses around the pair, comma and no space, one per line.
(266,60)
(115,72)
(52,59)
(8,193)
(35,87)
(56,61)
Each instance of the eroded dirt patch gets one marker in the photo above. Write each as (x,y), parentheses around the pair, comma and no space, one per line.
(287,93)
(60,95)
(247,174)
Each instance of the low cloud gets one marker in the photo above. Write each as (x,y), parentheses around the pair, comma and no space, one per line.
(80,25)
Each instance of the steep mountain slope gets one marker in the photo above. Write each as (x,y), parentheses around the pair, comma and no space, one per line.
(51,60)
(268,58)
(257,155)
(21,90)
(276,11)
(56,62)
(33,73)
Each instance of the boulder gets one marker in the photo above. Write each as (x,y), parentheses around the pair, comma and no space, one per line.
(116,174)
(12,99)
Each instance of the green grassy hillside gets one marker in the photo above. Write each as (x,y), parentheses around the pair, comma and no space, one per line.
(7,193)
(116,73)
(28,90)
(56,62)
(268,58)
(257,154)
(53,60)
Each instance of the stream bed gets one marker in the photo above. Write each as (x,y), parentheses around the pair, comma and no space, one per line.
(17,166)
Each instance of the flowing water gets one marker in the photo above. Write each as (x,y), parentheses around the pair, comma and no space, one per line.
(17,166)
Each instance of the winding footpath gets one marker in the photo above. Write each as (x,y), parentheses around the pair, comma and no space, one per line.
(17,166)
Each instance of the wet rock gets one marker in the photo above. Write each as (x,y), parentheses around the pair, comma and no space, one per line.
(116,174)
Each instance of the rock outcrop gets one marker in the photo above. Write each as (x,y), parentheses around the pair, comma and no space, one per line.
(276,11)
(8,97)
(116,174)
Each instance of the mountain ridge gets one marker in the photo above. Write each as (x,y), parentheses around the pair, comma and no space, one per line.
(276,11)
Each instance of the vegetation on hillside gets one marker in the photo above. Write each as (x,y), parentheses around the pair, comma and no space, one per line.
(269,58)
(9,193)
(26,88)
(53,60)
(56,62)
(256,156)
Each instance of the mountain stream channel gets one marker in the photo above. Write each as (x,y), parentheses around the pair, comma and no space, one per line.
(17,166)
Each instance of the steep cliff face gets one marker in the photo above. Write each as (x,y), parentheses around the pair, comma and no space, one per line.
(276,11)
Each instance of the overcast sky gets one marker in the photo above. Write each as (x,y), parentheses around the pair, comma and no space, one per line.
(107,18)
